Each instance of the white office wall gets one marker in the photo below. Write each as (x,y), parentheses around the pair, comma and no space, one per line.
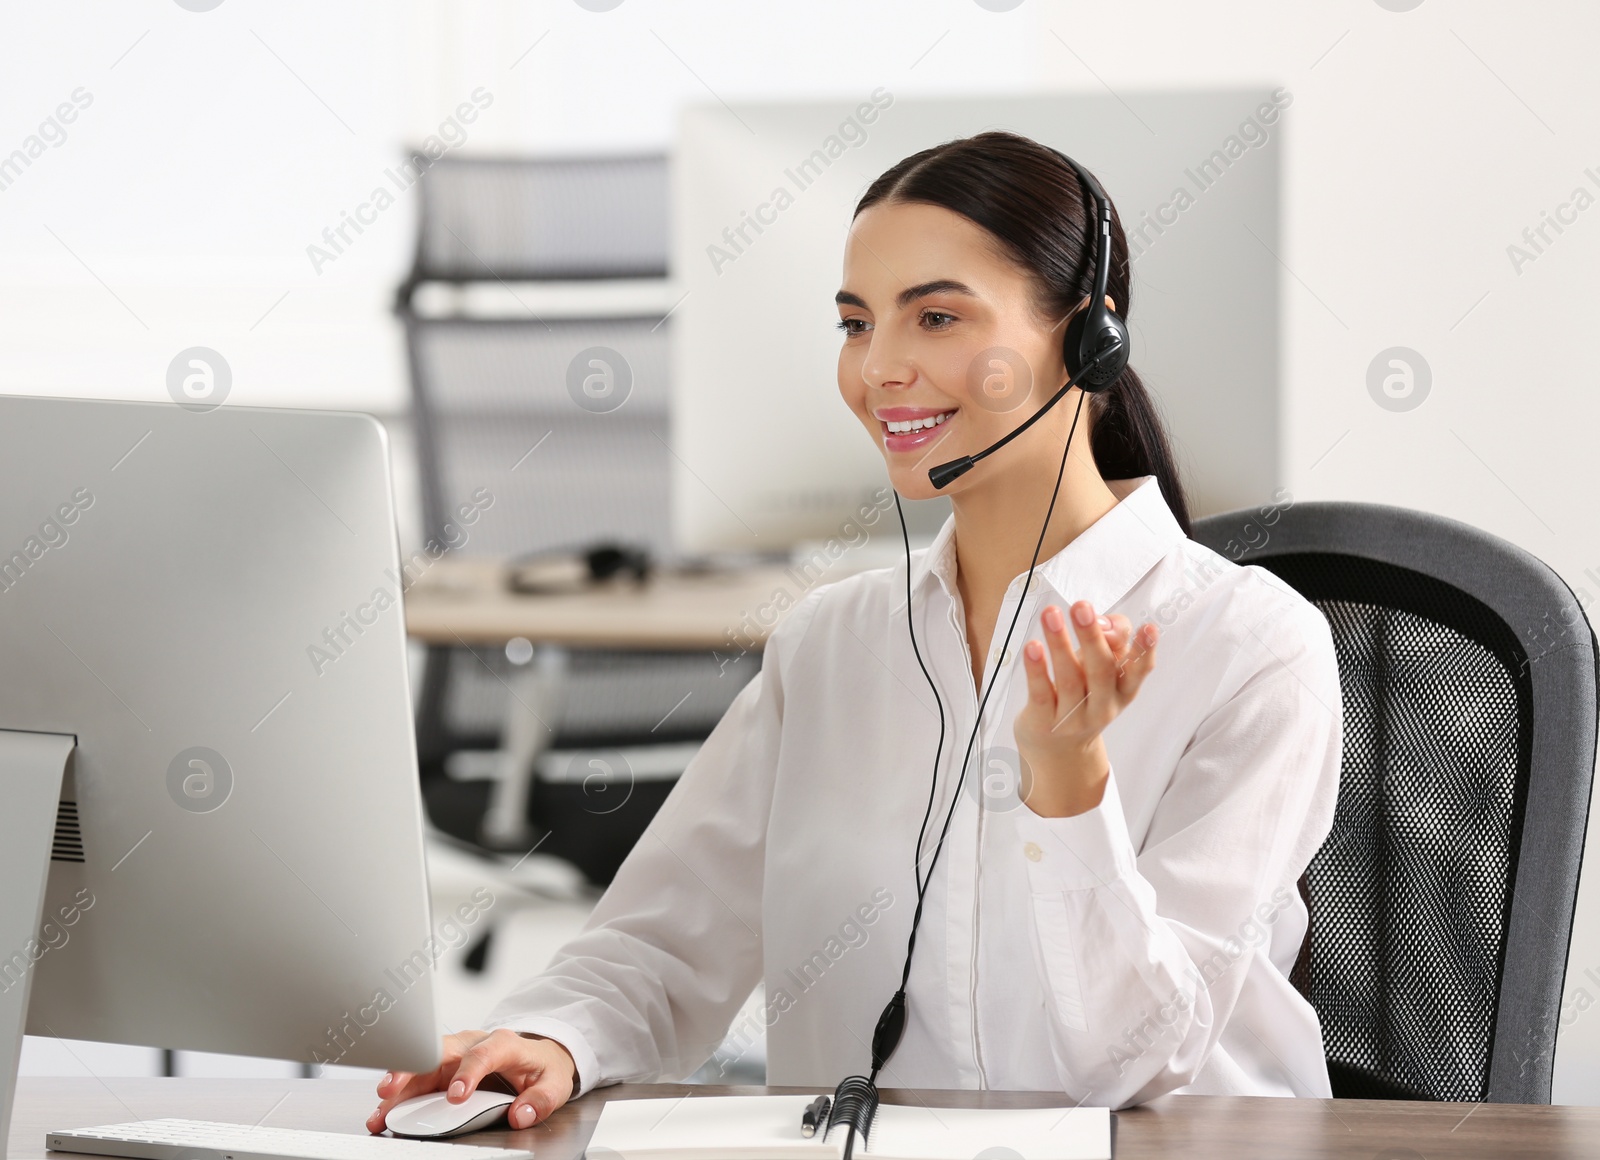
(1421,144)
(208,150)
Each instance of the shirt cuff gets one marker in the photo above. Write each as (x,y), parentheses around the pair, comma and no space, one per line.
(583,1056)
(1080,852)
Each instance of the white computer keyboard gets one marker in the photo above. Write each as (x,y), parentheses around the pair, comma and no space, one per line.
(204,1140)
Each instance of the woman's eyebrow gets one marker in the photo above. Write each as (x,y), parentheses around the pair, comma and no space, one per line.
(911,293)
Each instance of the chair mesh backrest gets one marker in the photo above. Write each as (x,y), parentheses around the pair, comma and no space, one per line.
(499,415)
(524,219)
(1412,891)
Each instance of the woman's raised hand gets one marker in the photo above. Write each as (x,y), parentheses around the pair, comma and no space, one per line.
(1070,702)
(540,1069)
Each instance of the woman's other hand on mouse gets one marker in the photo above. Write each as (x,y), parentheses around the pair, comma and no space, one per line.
(540,1069)
(1070,702)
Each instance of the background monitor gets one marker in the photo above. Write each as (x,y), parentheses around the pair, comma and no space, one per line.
(766,454)
(209,600)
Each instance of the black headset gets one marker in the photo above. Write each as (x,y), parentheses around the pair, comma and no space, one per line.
(1096,331)
(1095,351)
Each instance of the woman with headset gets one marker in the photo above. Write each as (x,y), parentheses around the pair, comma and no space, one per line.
(1065,864)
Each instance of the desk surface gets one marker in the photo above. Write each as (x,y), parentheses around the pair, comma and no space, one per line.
(465,601)
(1194,1127)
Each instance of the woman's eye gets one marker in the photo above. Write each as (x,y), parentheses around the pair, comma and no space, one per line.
(848,325)
(928,315)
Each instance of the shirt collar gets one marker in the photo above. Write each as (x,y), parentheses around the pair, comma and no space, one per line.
(1105,560)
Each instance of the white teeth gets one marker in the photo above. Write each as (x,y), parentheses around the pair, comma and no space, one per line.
(906,426)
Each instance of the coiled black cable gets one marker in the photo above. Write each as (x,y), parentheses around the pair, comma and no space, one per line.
(855,1102)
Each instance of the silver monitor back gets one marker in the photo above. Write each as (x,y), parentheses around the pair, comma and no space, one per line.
(765,453)
(209,601)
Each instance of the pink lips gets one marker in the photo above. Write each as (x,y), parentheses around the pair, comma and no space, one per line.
(912,440)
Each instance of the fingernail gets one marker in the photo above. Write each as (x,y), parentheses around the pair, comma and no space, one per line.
(457,1090)
(1035,650)
(1083,614)
(1052,619)
(1104,622)
(388,1078)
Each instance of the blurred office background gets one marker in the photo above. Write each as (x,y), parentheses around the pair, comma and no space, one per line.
(1435,177)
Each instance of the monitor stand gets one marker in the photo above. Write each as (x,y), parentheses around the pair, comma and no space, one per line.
(32,767)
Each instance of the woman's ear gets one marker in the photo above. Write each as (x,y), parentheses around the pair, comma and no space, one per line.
(1111,305)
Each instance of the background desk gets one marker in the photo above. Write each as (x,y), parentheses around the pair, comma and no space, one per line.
(1200,1127)
(464,600)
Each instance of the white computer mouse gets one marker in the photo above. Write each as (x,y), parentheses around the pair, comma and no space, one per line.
(431,1116)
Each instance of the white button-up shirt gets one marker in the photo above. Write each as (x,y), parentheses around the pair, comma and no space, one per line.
(1139,948)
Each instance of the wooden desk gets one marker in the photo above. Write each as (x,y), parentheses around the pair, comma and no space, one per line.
(464,600)
(1193,1127)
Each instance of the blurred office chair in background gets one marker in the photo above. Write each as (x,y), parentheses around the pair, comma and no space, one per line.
(1442,901)
(496,417)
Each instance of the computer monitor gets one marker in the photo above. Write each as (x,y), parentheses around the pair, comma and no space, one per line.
(206,737)
(765,453)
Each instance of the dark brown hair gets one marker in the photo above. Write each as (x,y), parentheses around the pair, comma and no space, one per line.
(1030,200)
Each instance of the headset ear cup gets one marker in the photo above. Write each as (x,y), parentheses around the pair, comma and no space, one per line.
(1072,341)
(1089,331)
(1113,329)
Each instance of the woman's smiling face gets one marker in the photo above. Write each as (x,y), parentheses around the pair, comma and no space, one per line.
(943,352)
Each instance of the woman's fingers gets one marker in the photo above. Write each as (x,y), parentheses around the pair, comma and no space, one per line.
(499,1049)
(1120,635)
(1094,652)
(1139,644)
(391,1078)
(1141,659)
(1110,659)
(401,1086)
(1063,659)
(1041,691)
(539,1099)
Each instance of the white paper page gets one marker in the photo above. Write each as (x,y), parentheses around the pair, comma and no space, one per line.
(708,1128)
(912,1132)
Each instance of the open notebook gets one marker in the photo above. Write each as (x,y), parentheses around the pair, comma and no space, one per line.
(768,1128)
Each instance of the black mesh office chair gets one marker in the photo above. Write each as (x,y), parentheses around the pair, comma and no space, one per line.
(1442,902)
(493,411)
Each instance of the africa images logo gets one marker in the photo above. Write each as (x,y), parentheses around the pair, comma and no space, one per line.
(1399,379)
(199,379)
(199,779)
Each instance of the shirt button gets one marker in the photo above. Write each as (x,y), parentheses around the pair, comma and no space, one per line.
(1032,852)
(1005,657)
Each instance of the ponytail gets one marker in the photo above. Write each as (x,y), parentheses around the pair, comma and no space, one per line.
(1128,439)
